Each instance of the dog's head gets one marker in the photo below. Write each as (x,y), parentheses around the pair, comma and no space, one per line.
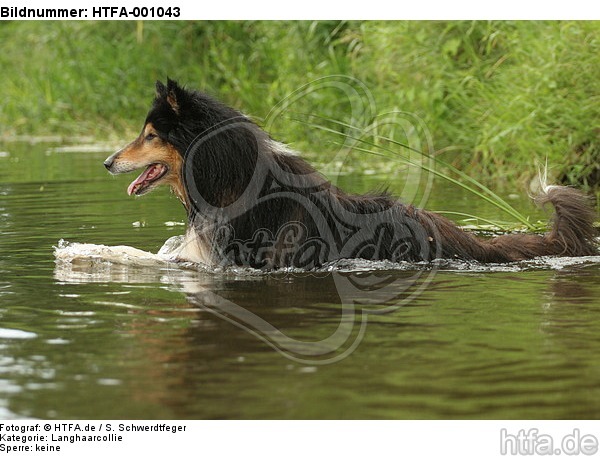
(153,150)
(192,141)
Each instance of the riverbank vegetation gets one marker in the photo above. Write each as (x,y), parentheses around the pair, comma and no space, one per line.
(496,98)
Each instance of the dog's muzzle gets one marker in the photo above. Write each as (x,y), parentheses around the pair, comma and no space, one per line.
(108,163)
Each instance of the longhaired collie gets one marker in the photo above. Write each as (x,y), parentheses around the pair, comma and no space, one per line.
(253,202)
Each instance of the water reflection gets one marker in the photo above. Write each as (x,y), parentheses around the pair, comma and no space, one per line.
(259,303)
(156,340)
(267,307)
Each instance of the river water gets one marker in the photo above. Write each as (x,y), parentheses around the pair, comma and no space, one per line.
(94,337)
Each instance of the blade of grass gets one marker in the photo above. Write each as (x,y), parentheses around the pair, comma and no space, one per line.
(505,226)
(501,202)
(493,198)
(521,218)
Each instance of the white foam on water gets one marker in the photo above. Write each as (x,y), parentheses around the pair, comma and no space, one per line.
(76,253)
(83,263)
(58,341)
(6,333)
(78,262)
(558,263)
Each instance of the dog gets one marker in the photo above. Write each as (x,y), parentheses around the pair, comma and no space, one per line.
(253,202)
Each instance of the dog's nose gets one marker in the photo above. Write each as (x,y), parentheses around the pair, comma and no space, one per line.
(109,161)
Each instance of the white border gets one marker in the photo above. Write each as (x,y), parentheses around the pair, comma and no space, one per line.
(302,438)
(368,10)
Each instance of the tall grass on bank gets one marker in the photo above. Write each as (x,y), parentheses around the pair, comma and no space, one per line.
(498,97)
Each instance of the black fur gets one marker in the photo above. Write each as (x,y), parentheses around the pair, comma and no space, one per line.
(251,204)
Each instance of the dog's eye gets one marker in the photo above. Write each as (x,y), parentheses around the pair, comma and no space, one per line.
(150,137)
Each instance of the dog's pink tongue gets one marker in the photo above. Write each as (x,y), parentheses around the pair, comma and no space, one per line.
(149,173)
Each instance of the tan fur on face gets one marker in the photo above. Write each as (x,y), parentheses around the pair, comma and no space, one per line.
(144,151)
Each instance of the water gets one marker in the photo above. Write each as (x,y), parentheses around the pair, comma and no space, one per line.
(96,339)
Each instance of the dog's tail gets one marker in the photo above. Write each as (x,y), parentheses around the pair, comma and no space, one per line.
(571,233)
(572,228)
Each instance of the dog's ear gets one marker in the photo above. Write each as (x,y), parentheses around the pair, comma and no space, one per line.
(173,95)
(161,90)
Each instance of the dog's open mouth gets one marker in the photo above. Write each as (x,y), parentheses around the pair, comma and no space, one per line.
(144,182)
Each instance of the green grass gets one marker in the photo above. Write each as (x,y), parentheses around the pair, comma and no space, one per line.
(496,97)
